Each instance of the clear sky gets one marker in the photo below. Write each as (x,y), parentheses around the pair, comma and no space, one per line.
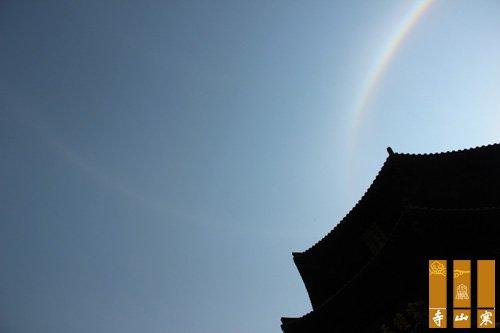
(160,160)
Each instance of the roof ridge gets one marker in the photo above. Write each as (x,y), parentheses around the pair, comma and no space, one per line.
(453,151)
(391,155)
(350,212)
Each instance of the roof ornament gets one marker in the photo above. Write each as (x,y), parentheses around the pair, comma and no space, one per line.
(390,151)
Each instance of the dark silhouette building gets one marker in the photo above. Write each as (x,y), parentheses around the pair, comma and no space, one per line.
(369,273)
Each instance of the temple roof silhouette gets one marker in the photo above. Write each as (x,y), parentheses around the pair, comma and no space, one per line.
(453,184)
(397,275)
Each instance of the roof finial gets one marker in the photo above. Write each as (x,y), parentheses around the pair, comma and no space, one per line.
(390,151)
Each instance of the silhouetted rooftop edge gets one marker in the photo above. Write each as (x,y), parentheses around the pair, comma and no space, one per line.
(340,224)
(396,154)
(426,216)
(320,281)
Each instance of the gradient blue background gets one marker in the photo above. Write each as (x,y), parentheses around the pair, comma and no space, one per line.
(160,160)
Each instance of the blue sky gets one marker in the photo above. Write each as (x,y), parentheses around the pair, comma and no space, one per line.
(161,160)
